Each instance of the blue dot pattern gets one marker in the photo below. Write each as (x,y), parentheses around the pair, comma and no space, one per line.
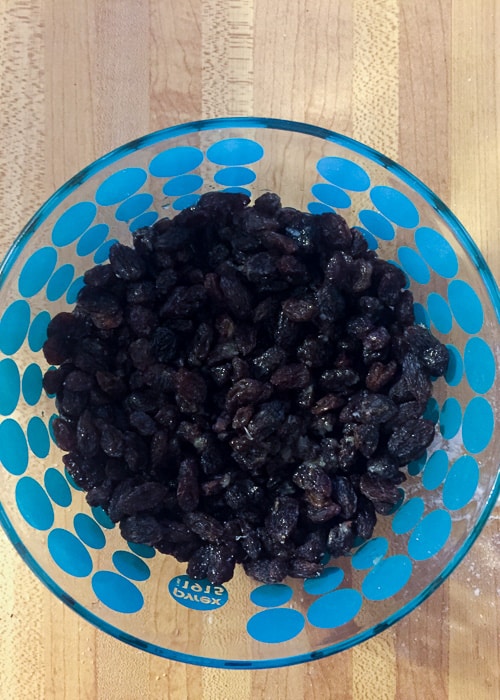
(417,465)
(73,290)
(117,592)
(424,255)
(454,372)
(408,516)
(387,578)
(461,483)
(466,306)
(60,281)
(413,265)
(478,424)
(430,535)
(34,504)
(38,437)
(319,208)
(395,205)
(235,151)
(57,487)
(335,609)
(11,386)
(142,550)
(37,271)
(37,333)
(146,219)
(92,239)
(377,224)
(344,173)
(328,580)
(435,470)
(421,315)
(370,238)
(437,252)
(73,223)
(131,566)
(479,363)
(370,553)
(276,625)
(439,313)
(187,200)
(238,190)
(13,447)
(182,184)
(120,185)
(175,161)
(89,531)
(102,253)
(69,553)
(133,206)
(14,326)
(271,595)
(31,385)
(331,195)
(432,410)
(234,176)
(450,418)
(102,518)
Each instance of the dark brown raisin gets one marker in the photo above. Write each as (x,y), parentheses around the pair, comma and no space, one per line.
(294,376)
(409,441)
(340,539)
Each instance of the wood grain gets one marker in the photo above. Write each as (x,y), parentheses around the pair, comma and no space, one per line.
(420,82)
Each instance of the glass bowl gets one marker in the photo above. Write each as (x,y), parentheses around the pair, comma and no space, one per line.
(146,599)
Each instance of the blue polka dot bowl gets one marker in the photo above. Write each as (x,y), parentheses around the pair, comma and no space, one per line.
(146,599)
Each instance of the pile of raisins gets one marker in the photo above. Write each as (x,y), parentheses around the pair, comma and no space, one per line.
(243,385)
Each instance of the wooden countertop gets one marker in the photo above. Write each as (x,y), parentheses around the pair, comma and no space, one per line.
(420,81)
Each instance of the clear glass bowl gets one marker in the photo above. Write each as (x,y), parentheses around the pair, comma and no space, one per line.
(144,598)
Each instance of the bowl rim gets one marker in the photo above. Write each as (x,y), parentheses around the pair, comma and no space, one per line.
(403,174)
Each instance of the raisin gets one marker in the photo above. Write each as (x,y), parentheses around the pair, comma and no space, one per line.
(236,296)
(78,381)
(267,570)
(87,436)
(141,529)
(268,204)
(383,466)
(331,303)
(302,568)
(266,420)
(244,384)
(311,477)
(54,378)
(379,375)
(379,491)
(283,518)
(126,262)
(344,494)
(409,441)
(205,526)
(246,392)
(391,284)
(340,539)
(365,519)
(64,434)
(365,407)
(191,391)
(129,499)
(183,302)
(299,310)
(295,376)
(111,441)
(432,354)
